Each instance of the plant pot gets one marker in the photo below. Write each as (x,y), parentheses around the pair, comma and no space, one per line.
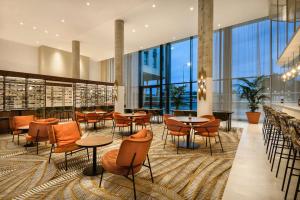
(253,117)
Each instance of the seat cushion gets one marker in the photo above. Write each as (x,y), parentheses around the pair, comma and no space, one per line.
(206,134)
(66,148)
(140,134)
(109,164)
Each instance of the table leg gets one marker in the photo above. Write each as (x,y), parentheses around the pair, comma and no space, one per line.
(131,128)
(188,144)
(94,160)
(229,122)
(95,169)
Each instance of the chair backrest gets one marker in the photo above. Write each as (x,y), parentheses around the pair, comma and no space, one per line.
(166,116)
(211,126)
(139,146)
(294,128)
(119,119)
(141,112)
(173,125)
(64,134)
(79,116)
(108,115)
(19,121)
(92,116)
(41,127)
(210,117)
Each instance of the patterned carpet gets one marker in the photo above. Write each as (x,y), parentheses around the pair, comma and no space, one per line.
(192,174)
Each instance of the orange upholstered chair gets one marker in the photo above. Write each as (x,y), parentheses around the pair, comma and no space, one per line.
(120,122)
(165,117)
(93,118)
(20,121)
(80,117)
(129,159)
(176,128)
(63,138)
(208,130)
(143,121)
(38,131)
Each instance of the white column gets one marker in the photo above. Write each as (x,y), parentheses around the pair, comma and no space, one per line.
(205,44)
(119,56)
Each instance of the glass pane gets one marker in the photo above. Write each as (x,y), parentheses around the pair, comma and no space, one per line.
(180,62)
(150,59)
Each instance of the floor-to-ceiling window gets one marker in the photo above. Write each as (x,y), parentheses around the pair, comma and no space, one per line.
(247,50)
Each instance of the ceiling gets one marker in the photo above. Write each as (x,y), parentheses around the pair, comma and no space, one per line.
(56,23)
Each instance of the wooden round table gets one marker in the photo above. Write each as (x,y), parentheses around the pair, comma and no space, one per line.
(94,141)
(190,121)
(131,116)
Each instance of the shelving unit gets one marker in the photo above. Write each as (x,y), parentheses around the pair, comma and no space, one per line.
(80,95)
(101,95)
(15,93)
(36,93)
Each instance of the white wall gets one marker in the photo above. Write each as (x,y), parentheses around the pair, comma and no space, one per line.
(18,57)
(94,69)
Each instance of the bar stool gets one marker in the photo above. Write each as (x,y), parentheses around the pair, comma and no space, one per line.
(294,126)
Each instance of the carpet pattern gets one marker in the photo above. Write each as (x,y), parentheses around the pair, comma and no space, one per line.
(191,174)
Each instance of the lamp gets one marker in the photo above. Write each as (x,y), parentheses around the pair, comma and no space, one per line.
(202,84)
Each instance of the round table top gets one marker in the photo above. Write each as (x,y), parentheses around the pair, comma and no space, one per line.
(94,141)
(133,115)
(190,120)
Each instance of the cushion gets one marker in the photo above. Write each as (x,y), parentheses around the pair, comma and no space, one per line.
(109,163)
(67,133)
(140,134)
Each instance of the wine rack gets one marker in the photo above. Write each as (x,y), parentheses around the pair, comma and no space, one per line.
(15,93)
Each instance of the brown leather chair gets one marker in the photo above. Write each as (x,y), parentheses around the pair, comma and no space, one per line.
(38,131)
(176,128)
(129,159)
(19,121)
(63,138)
(120,122)
(165,117)
(208,130)
(143,121)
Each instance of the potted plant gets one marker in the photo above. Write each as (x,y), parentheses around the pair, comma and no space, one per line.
(253,92)
(177,93)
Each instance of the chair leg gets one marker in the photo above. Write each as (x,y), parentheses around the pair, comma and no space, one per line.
(18,139)
(220,142)
(210,146)
(297,188)
(88,155)
(177,143)
(37,148)
(286,168)
(66,162)
(280,157)
(206,141)
(150,168)
(13,137)
(166,140)
(102,171)
(50,153)
(290,176)
(162,137)
(133,183)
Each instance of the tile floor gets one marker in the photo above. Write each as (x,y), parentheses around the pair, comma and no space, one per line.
(251,177)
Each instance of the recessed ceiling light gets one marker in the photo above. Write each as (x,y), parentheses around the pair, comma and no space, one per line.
(219,25)
(146,26)
(62,21)
(57,35)
(46,31)
(153,5)
(21,23)
(133,30)
(37,42)
(34,27)
(88,3)
(191,8)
